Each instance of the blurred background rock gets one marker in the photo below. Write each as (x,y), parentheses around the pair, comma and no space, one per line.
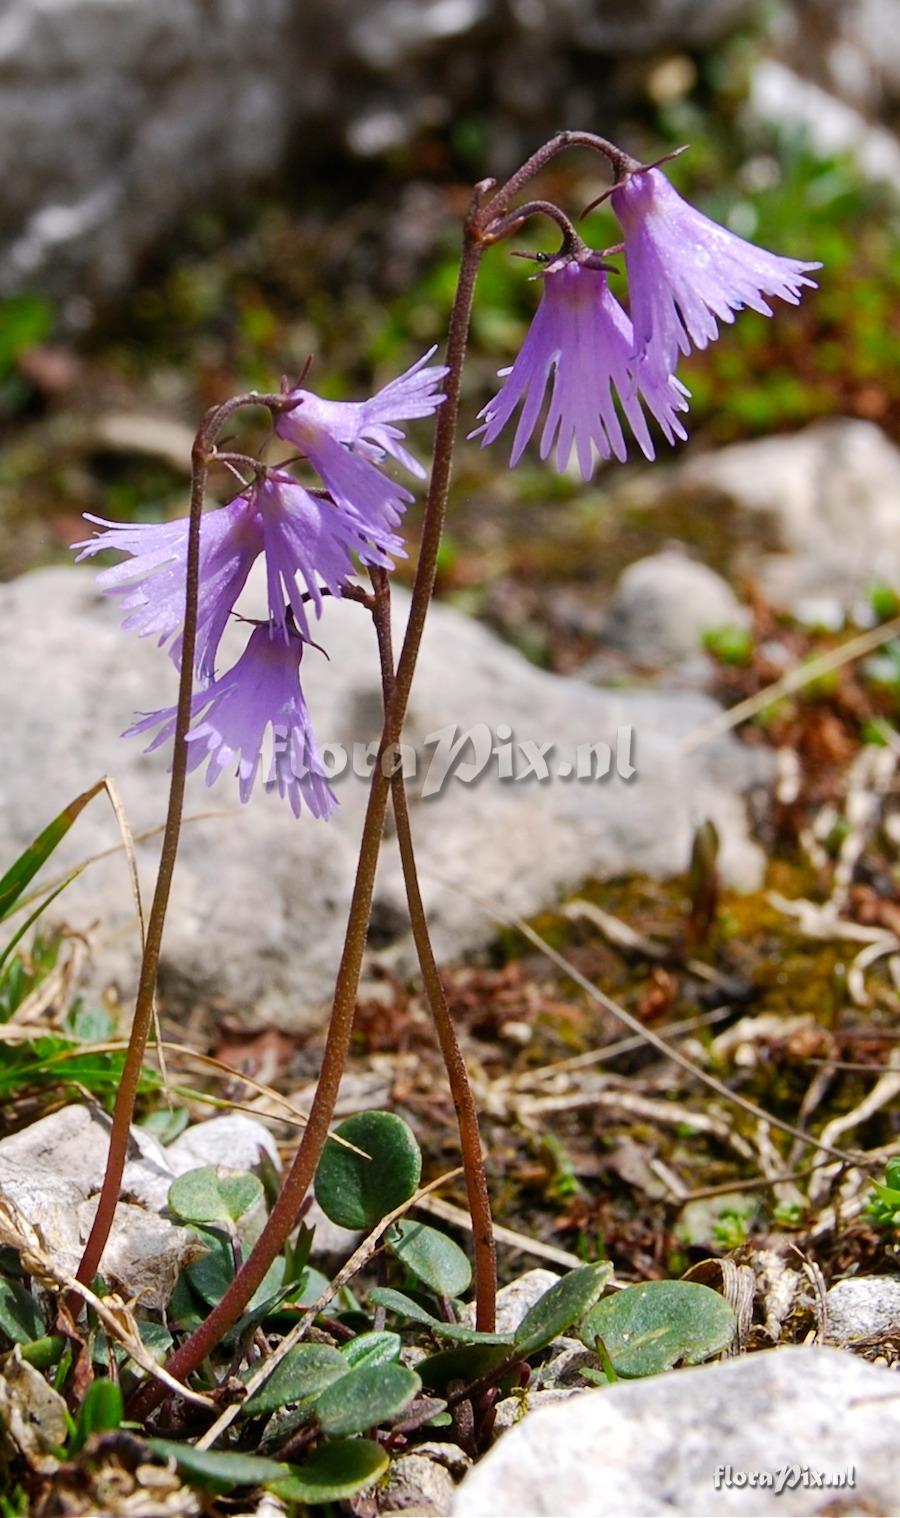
(118,116)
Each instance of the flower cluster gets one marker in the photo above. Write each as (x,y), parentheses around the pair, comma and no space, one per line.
(685,275)
(309,539)
(606,370)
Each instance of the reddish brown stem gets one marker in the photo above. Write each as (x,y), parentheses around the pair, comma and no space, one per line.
(506,225)
(454,1063)
(622,164)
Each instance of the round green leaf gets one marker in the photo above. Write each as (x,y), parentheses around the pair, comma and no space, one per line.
(404,1307)
(372,1349)
(356,1190)
(205,1196)
(240,1192)
(560,1307)
(651,1327)
(195,1197)
(365,1397)
(431,1257)
(45,1352)
(220,1468)
(305,1371)
(334,1471)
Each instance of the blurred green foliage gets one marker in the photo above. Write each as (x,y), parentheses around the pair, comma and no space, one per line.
(26,321)
(884,1199)
(730,644)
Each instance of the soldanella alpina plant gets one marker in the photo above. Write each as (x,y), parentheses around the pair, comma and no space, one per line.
(592,377)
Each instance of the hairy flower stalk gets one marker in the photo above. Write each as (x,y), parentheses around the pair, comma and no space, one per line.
(601,373)
(454,1062)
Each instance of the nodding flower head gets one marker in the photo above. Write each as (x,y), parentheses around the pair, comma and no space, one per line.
(686,273)
(312,540)
(307,539)
(580,344)
(345,441)
(231,717)
(151,581)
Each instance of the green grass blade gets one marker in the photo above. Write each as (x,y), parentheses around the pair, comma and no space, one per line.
(28,863)
(30,921)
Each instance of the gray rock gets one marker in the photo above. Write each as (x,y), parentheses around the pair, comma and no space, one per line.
(687,1442)
(117,116)
(73,1143)
(852,48)
(663,605)
(259,900)
(563,1367)
(619,28)
(35,1417)
(524,1404)
(53,1171)
(448,1455)
(50,1174)
(832,126)
(863,1307)
(835,80)
(825,497)
(417,1485)
(236,1141)
(145,1254)
(385,35)
(154,437)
